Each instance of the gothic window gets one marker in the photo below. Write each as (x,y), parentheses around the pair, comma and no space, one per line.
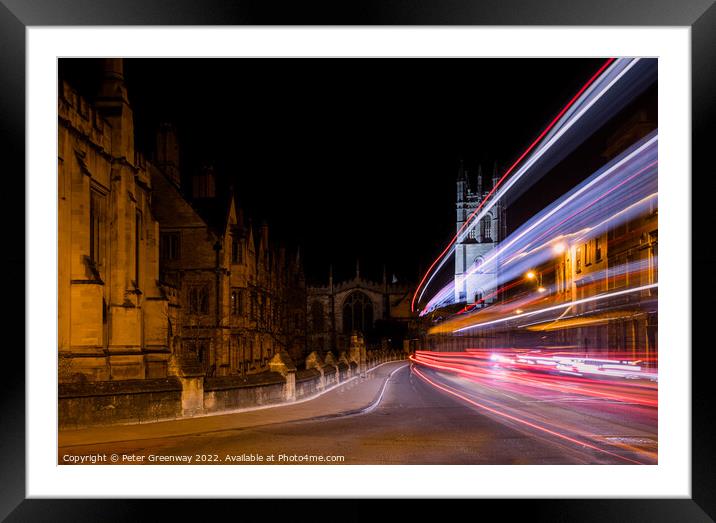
(317,319)
(486,228)
(97,210)
(237,250)
(137,245)
(357,313)
(578,260)
(198,299)
(237,308)
(587,254)
(169,245)
(472,235)
(253,305)
(478,297)
(597,249)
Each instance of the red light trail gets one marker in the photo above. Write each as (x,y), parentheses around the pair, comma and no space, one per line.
(453,392)
(507,173)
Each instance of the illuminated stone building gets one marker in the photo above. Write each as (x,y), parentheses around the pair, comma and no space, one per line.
(378,310)
(482,237)
(622,257)
(149,278)
(242,299)
(116,321)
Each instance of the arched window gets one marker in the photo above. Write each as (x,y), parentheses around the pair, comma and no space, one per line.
(486,228)
(357,313)
(472,234)
(317,318)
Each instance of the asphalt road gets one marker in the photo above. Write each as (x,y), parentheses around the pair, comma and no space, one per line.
(416,422)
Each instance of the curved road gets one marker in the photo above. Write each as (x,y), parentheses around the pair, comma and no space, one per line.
(417,423)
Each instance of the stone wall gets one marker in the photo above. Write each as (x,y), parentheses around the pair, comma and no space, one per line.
(116,402)
(308,383)
(233,392)
(138,401)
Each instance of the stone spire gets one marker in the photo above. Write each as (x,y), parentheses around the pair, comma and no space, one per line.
(495,178)
(461,182)
(479,180)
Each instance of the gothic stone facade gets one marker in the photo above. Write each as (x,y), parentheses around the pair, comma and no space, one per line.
(242,299)
(114,315)
(149,281)
(337,310)
(482,237)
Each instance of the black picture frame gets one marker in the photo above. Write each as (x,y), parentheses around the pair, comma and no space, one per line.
(17,15)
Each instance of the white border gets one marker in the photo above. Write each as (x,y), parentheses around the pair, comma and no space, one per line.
(671,478)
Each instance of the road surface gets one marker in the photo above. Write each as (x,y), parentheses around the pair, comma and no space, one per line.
(423,416)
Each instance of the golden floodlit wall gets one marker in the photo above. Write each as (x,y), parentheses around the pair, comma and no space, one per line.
(114,319)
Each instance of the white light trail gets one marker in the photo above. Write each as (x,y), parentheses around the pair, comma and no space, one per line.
(560,306)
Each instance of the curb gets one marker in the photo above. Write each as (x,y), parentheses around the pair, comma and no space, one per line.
(362,410)
(351,412)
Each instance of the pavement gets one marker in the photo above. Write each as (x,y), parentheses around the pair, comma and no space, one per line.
(355,396)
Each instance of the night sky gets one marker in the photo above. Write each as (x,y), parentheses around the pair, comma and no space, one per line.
(353,158)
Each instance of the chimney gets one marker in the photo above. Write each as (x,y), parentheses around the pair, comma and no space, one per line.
(204,183)
(167,158)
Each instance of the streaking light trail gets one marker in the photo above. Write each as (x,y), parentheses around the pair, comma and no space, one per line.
(612,73)
(613,195)
(537,426)
(560,306)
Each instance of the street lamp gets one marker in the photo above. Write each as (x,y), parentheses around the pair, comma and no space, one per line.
(530,275)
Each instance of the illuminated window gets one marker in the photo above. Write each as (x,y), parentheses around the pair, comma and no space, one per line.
(597,249)
(578,260)
(587,254)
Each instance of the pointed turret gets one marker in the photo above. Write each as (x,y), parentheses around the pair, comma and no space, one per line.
(495,178)
(479,180)
(461,182)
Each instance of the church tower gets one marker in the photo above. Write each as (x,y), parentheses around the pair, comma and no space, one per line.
(480,238)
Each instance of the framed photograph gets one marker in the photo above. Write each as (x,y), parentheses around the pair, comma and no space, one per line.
(367,253)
